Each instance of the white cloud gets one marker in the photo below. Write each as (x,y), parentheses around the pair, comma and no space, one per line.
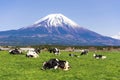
(116,36)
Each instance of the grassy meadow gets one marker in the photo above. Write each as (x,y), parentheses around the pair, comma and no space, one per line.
(18,67)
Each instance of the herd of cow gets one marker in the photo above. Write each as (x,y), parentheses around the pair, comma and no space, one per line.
(53,63)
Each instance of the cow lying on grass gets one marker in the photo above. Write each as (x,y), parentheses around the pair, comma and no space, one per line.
(73,55)
(32,53)
(98,56)
(15,51)
(56,63)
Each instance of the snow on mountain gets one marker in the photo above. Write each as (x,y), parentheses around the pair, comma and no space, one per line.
(55,20)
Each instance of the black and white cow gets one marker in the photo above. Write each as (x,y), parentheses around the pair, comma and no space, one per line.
(55,63)
(73,55)
(32,53)
(15,51)
(84,52)
(55,51)
(37,50)
(99,56)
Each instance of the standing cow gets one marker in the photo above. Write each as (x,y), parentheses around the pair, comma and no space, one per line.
(37,50)
(54,51)
(84,52)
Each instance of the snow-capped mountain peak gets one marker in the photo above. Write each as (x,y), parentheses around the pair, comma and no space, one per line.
(56,20)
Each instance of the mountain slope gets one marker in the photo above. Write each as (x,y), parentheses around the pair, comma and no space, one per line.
(54,29)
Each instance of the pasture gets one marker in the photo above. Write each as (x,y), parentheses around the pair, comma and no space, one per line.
(86,67)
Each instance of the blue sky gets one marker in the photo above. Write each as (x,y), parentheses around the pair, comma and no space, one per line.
(101,16)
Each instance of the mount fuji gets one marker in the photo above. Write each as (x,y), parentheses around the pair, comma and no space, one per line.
(55,29)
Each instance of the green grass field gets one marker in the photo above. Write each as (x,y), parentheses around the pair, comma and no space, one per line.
(18,67)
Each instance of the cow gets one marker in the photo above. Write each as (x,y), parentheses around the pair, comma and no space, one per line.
(73,55)
(99,56)
(56,63)
(32,53)
(54,51)
(15,51)
(84,52)
(37,50)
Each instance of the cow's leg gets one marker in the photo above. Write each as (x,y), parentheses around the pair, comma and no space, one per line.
(55,67)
